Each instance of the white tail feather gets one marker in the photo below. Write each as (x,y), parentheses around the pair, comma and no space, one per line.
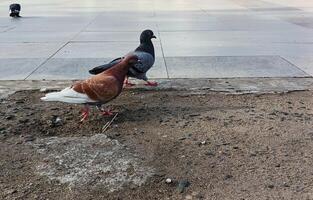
(68,95)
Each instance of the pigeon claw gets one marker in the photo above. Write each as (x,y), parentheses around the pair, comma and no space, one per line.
(107,112)
(85,114)
(127,83)
(151,83)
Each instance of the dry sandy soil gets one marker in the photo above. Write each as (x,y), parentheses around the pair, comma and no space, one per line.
(211,146)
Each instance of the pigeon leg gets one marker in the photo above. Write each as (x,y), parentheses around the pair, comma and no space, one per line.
(151,83)
(85,113)
(105,112)
(127,83)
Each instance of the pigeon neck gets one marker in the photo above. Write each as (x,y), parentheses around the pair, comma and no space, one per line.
(145,42)
(119,71)
(146,46)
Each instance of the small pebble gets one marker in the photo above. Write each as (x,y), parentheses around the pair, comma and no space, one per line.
(209,153)
(55,121)
(10,117)
(228,176)
(58,120)
(182,185)
(188,197)
(252,154)
(168,180)
(43,89)
(23,121)
(194,115)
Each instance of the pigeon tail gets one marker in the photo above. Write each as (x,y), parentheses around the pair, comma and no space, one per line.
(102,68)
(68,95)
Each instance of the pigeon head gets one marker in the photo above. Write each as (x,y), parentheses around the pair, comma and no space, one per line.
(146,36)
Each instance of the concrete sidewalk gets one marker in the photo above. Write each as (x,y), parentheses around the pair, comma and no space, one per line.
(61,40)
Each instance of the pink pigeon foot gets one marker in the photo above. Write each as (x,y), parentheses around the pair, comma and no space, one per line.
(107,112)
(85,114)
(127,83)
(151,83)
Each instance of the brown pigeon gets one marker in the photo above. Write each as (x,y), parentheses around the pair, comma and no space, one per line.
(97,90)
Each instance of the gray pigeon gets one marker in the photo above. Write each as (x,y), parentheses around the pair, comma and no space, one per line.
(15,10)
(146,58)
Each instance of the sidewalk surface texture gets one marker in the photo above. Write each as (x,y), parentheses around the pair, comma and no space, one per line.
(61,40)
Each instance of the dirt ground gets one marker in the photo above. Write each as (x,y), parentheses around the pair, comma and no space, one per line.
(211,145)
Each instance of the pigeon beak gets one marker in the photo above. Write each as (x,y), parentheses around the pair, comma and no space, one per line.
(153,36)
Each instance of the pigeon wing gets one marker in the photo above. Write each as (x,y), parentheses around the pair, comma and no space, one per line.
(144,63)
(100,88)
(102,68)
